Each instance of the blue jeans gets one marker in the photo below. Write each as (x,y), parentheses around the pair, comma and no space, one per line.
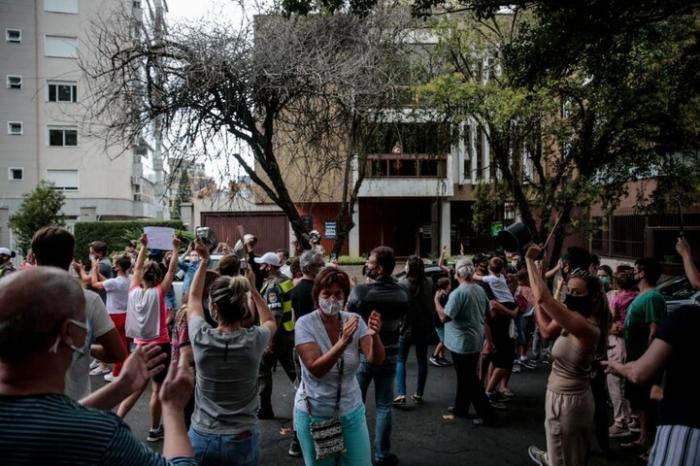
(355,436)
(236,450)
(383,376)
(422,357)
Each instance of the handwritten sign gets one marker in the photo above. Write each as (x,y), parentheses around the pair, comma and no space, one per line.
(160,237)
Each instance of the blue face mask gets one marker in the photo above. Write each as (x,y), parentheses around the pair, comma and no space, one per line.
(605,281)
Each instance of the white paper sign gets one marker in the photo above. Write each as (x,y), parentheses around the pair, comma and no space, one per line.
(160,237)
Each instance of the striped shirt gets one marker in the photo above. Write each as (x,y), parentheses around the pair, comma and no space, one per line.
(53,429)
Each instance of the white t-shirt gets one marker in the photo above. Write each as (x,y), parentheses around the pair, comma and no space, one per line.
(322,392)
(117,294)
(99,323)
(500,289)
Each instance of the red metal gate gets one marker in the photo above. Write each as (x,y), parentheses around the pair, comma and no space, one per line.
(271,228)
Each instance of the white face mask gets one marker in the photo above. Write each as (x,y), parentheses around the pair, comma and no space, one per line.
(330,307)
(79,351)
(92,257)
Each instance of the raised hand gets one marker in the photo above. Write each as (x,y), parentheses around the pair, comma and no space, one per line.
(349,329)
(533,252)
(682,247)
(176,244)
(374,323)
(144,240)
(202,248)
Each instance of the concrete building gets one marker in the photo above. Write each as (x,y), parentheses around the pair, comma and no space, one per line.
(43,135)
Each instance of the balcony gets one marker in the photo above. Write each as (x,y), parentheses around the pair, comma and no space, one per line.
(402,175)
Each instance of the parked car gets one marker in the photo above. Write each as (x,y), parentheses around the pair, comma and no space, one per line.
(433,271)
(678,292)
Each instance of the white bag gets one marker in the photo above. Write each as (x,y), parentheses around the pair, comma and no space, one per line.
(143,314)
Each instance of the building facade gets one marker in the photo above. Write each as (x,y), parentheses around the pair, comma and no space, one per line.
(44,135)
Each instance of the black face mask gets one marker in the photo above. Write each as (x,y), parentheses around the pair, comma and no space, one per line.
(580,304)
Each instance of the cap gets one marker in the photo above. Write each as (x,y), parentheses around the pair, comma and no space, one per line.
(314,233)
(6,252)
(269,258)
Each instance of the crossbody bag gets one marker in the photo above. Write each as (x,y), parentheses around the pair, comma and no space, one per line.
(328,435)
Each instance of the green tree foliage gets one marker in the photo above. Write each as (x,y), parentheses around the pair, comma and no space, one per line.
(41,207)
(184,194)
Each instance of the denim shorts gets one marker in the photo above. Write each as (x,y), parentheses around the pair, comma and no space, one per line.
(242,449)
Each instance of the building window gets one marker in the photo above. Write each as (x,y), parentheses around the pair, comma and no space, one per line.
(14,82)
(59,137)
(61,47)
(14,128)
(13,35)
(61,6)
(62,92)
(65,180)
(15,174)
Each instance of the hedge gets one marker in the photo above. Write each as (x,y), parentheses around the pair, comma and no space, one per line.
(115,233)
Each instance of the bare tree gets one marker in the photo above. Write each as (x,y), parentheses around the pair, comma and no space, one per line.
(285,86)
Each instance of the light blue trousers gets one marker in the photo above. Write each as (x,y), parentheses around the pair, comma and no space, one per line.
(355,435)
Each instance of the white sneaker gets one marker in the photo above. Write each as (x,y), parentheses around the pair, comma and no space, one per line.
(538,456)
(94,364)
(100,370)
(110,377)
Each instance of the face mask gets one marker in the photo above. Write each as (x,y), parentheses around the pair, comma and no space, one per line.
(580,304)
(92,257)
(330,307)
(79,352)
(372,273)
(605,281)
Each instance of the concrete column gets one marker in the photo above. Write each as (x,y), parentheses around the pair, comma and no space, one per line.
(445,225)
(354,236)
(187,215)
(436,232)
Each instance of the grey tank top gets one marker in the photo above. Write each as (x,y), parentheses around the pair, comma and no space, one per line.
(571,368)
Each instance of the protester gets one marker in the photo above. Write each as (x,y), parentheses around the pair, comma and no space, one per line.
(504,311)
(276,291)
(42,326)
(416,329)
(146,323)
(229,265)
(98,257)
(466,311)
(605,275)
(54,246)
(224,427)
(644,315)
(444,286)
(188,263)
(285,269)
(385,296)
(117,290)
(674,350)
(329,342)
(524,326)
(569,405)
(619,300)
(6,265)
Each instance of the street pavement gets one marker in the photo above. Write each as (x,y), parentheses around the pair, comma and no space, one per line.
(420,434)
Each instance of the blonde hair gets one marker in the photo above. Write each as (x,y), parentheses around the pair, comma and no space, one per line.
(230,294)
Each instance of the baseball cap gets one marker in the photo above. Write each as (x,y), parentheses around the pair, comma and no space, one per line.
(269,258)
(6,252)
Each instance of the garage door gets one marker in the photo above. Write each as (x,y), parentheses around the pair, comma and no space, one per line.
(271,229)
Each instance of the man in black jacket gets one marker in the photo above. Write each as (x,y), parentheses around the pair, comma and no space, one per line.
(392,302)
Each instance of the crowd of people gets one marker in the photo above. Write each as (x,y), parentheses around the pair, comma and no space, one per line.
(209,361)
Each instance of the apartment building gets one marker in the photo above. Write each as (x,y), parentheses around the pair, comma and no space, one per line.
(43,132)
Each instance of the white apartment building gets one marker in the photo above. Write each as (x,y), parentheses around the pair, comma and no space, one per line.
(42,132)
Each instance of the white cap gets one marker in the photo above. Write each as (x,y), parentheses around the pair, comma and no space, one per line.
(6,252)
(269,258)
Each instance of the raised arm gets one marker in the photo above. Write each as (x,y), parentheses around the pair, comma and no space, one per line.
(172,268)
(691,271)
(96,279)
(137,277)
(438,307)
(266,317)
(371,345)
(571,321)
(195,306)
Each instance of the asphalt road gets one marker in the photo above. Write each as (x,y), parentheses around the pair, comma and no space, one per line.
(420,434)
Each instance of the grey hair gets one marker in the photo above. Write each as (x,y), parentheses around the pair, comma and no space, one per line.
(466,271)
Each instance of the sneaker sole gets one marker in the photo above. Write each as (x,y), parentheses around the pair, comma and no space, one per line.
(535,459)
(154,439)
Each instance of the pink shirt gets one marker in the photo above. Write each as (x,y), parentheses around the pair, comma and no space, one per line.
(619,301)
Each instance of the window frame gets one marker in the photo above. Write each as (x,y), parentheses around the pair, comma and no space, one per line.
(9,173)
(59,36)
(64,188)
(12,133)
(8,77)
(63,129)
(11,41)
(74,91)
(64,11)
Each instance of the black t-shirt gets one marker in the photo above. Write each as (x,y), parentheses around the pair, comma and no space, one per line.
(681,404)
(302,302)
